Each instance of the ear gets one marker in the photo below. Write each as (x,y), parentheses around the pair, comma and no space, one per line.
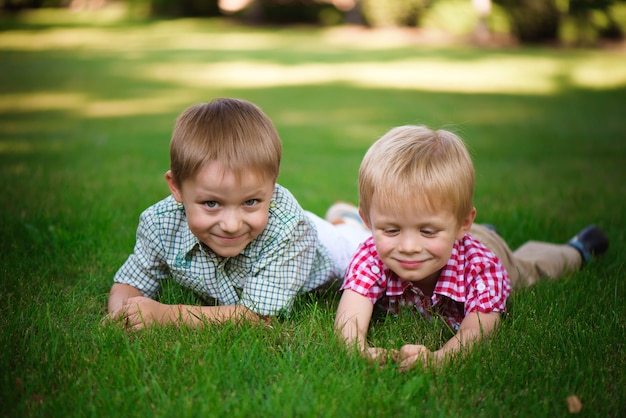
(466,223)
(176,192)
(365,219)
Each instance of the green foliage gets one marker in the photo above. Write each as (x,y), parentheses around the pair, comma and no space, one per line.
(458,17)
(382,13)
(86,116)
(178,8)
(533,20)
(583,6)
(292,11)
(594,19)
(571,21)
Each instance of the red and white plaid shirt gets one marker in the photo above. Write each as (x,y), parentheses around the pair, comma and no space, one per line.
(473,280)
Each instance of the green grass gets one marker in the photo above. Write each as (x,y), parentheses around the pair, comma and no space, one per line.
(86,113)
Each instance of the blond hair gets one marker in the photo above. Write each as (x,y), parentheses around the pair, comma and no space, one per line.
(233,132)
(417,164)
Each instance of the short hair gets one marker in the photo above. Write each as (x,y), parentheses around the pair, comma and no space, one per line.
(233,132)
(417,164)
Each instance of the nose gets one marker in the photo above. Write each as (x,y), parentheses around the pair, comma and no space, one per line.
(231,221)
(410,243)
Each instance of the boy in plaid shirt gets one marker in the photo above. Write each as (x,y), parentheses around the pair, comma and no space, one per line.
(228,231)
(416,191)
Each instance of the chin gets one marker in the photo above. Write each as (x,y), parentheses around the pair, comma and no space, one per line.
(229,252)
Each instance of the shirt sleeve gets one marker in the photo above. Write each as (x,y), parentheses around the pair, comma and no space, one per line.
(146,266)
(365,274)
(488,289)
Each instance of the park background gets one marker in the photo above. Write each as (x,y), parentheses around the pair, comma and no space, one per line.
(89,91)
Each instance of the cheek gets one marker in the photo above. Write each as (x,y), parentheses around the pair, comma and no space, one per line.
(441,248)
(195,228)
(384,244)
(258,221)
(197,222)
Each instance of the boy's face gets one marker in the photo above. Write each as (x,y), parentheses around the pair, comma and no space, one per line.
(416,242)
(224,212)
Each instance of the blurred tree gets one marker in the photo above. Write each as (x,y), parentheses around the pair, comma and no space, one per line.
(186,8)
(291,11)
(583,10)
(379,13)
(15,5)
(533,20)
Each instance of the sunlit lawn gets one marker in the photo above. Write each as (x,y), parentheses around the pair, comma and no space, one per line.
(86,112)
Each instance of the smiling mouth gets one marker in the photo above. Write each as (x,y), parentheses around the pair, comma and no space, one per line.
(411,263)
(230,239)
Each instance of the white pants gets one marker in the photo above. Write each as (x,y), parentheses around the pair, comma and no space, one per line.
(341,241)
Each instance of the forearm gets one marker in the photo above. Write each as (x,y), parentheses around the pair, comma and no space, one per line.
(353,317)
(350,332)
(462,340)
(127,302)
(195,316)
(474,328)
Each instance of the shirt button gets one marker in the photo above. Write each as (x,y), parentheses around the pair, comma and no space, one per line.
(480,287)
(375,269)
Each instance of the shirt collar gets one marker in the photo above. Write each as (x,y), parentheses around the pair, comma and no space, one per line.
(450,282)
(189,241)
(395,285)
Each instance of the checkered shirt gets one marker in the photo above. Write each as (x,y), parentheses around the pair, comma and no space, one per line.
(283,261)
(472,280)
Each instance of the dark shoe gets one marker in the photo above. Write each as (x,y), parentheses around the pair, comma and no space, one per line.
(590,241)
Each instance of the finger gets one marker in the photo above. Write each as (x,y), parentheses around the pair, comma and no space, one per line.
(376,355)
(116,313)
(130,310)
(136,327)
(135,320)
(380,356)
(409,350)
(407,364)
(115,317)
(369,354)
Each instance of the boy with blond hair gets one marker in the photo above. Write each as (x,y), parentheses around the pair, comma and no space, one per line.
(227,231)
(416,190)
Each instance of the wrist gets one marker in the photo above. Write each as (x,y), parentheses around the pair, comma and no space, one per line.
(176,312)
(438,356)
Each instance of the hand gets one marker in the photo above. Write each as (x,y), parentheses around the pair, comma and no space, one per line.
(412,354)
(378,355)
(141,312)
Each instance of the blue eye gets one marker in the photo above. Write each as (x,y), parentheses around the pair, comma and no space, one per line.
(211,204)
(251,202)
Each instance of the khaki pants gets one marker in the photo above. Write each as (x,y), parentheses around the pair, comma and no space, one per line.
(532,261)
